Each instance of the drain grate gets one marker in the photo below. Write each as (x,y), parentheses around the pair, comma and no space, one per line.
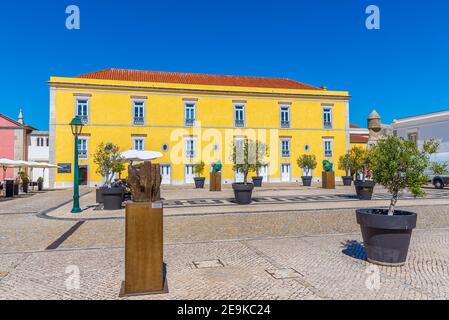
(216,263)
(287,273)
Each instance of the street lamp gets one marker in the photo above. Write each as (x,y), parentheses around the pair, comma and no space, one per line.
(77,127)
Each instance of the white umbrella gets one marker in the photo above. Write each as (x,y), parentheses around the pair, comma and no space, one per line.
(135,155)
(8,163)
(24,164)
(41,165)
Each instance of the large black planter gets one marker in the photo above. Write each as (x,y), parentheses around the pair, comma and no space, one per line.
(243,192)
(364,189)
(25,187)
(347,181)
(306,181)
(9,189)
(113,198)
(386,238)
(16,189)
(199,182)
(99,195)
(257,181)
(40,186)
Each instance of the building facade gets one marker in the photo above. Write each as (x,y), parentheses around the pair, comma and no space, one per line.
(359,136)
(192,117)
(424,127)
(39,151)
(14,141)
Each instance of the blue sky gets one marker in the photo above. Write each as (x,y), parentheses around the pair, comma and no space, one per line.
(401,70)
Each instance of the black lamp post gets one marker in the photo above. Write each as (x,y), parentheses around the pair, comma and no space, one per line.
(77,128)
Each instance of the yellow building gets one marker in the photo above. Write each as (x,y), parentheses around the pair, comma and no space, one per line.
(193,117)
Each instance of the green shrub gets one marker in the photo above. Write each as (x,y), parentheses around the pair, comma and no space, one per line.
(109,161)
(307,162)
(439,168)
(24,177)
(398,164)
(247,156)
(198,169)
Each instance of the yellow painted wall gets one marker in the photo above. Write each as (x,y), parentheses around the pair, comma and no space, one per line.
(110,120)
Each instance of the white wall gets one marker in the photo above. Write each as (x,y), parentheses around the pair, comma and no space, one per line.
(39,154)
(434,125)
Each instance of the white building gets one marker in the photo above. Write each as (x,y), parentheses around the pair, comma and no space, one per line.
(424,127)
(39,151)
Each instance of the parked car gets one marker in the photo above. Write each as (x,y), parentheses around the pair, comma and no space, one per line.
(440,181)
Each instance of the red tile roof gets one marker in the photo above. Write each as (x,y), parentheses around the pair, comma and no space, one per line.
(358,138)
(198,79)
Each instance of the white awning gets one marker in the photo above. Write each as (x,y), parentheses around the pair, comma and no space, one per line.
(135,155)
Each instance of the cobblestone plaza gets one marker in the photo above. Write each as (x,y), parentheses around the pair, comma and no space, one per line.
(291,243)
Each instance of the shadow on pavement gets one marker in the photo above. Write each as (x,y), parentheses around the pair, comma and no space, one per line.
(354,249)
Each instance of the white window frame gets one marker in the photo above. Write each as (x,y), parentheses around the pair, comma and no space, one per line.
(187,143)
(331,116)
(281,111)
(84,118)
(143,102)
(325,142)
(241,106)
(87,147)
(288,141)
(187,106)
(138,139)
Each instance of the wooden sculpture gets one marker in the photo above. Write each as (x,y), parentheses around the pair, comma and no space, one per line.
(144,181)
(144,233)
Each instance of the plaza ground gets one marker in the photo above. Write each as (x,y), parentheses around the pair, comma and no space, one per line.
(291,243)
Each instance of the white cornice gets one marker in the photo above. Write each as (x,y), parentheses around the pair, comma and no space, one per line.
(422,119)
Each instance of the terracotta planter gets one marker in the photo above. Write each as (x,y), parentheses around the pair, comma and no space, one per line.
(386,238)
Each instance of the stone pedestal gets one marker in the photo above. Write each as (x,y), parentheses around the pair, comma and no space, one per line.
(215,181)
(328,180)
(144,265)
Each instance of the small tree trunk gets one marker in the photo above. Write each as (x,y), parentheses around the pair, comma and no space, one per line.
(394,201)
(245,177)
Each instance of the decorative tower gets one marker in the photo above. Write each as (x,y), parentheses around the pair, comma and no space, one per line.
(374,128)
(20,118)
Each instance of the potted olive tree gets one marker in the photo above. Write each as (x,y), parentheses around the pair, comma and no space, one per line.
(261,152)
(109,162)
(397,164)
(25,181)
(198,169)
(307,163)
(364,185)
(344,163)
(40,184)
(244,159)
